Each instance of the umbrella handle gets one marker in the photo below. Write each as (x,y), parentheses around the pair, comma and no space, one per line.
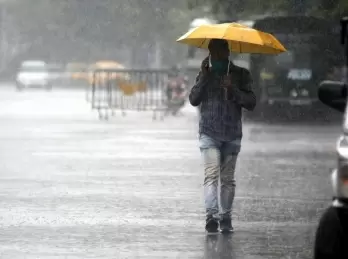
(225,93)
(228,66)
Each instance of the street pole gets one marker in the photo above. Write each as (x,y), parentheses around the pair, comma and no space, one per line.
(158,53)
(3,37)
(344,41)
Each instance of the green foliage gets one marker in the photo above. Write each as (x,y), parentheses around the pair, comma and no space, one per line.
(240,8)
(330,8)
(105,26)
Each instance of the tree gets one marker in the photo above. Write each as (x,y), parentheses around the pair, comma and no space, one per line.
(239,8)
(11,40)
(67,29)
(331,8)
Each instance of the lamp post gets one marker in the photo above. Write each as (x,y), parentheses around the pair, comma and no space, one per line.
(344,41)
(3,34)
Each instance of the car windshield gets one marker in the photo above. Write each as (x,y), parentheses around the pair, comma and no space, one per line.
(33,69)
(300,58)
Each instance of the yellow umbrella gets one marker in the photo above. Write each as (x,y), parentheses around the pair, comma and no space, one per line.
(241,39)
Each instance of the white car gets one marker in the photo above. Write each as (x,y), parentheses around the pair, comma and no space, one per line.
(33,74)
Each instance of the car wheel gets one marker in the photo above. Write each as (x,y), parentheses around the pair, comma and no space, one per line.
(48,87)
(19,87)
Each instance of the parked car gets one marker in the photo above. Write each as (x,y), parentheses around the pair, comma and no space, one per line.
(104,77)
(33,73)
(76,73)
(331,237)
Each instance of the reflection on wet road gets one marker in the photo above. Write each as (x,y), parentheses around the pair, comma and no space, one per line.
(72,186)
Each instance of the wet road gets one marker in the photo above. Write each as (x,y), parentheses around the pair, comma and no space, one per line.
(72,186)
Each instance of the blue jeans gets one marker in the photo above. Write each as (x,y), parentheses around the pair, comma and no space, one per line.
(219,160)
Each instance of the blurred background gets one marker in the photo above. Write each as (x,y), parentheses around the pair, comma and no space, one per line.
(73,186)
(135,33)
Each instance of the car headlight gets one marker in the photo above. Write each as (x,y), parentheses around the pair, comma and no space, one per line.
(304,92)
(342,167)
(293,93)
(345,123)
(342,146)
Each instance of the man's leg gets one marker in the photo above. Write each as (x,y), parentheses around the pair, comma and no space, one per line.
(211,161)
(229,155)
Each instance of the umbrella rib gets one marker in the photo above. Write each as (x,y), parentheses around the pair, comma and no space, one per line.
(251,46)
(202,43)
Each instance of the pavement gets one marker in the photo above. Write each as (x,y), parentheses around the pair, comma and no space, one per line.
(74,186)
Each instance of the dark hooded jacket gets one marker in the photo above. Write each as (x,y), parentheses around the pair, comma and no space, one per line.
(220,108)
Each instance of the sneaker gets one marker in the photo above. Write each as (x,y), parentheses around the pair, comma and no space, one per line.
(211,225)
(226,225)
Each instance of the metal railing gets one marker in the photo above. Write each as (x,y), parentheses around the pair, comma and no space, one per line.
(125,90)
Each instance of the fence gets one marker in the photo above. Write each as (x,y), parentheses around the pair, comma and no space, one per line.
(124,90)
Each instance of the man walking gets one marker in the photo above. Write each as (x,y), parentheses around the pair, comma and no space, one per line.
(221,91)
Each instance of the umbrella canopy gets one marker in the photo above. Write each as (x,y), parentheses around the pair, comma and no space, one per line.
(241,39)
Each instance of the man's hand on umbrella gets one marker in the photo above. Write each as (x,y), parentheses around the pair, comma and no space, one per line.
(205,67)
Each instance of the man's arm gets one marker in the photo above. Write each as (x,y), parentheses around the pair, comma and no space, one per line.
(197,91)
(244,95)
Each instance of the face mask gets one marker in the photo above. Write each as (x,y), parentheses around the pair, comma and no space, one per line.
(219,66)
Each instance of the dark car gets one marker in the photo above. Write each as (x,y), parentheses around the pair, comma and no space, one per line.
(331,239)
